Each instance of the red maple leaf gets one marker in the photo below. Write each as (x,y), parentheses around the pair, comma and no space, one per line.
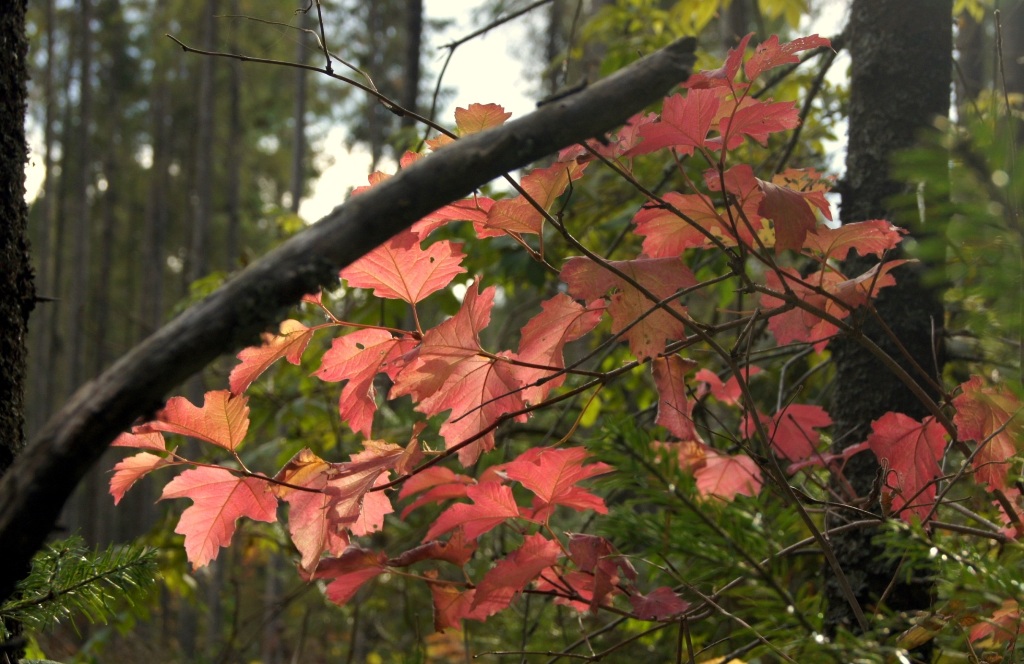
(660,604)
(451,372)
(792,430)
(758,120)
(511,575)
(798,324)
(561,320)
(349,571)
(911,450)
(478,117)
(219,499)
(153,440)
(725,477)
(450,605)
(437,483)
(289,343)
(357,358)
(376,505)
(988,415)
(790,210)
(684,124)
(457,551)
(724,75)
(552,474)
(223,419)
(628,306)
(518,215)
(669,232)
(622,144)
(492,504)
(596,558)
(728,392)
(867,237)
(770,54)
(674,408)
(130,470)
(474,209)
(400,269)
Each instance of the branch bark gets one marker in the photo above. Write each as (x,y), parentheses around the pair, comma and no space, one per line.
(33,492)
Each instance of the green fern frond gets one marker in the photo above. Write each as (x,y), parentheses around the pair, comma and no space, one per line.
(68,579)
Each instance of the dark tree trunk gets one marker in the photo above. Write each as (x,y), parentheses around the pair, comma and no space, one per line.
(413,50)
(202,193)
(900,81)
(234,158)
(298,184)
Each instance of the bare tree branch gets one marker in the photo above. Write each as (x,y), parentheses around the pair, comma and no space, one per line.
(42,478)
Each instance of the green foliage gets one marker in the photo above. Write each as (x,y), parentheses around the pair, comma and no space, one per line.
(69,580)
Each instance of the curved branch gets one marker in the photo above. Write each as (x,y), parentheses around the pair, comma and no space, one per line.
(42,478)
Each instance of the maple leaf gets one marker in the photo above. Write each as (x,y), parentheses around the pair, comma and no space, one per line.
(724,75)
(289,343)
(130,470)
(792,431)
(684,124)
(675,411)
(451,373)
(770,54)
(450,605)
(660,604)
(725,477)
(543,338)
(622,144)
(438,483)
(597,558)
(518,215)
(798,324)
(1003,627)
(628,306)
(219,499)
(492,504)
(478,117)
(511,575)
(911,450)
(326,498)
(728,392)
(867,237)
(790,211)
(400,269)
(552,474)
(376,505)
(222,420)
(669,232)
(988,416)
(457,551)
(745,205)
(143,441)
(349,571)
(357,358)
(757,120)
(474,209)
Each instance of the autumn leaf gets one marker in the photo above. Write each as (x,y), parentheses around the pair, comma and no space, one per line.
(357,358)
(551,474)
(728,392)
(867,237)
(791,211)
(660,604)
(911,450)
(603,566)
(511,575)
(675,410)
(684,124)
(792,431)
(770,54)
(478,117)
(400,269)
(668,232)
(629,307)
(450,372)
(219,499)
(153,440)
(349,572)
(543,338)
(289,343)
(450,605)
(725,75)
(725,477)
(130,470)
(756,120)
(989,416)
(223,419)
(518,215)
(457,551)
(492,504)
(437,483)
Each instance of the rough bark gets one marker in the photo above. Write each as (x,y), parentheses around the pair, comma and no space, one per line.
(900,81)
(17,295)
(52,465)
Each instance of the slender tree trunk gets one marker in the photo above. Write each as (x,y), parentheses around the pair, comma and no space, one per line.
(202,193)
(413,50)
(298,184)
(900,81)
(234,149)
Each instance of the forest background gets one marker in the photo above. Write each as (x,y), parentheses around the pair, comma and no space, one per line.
(166,172)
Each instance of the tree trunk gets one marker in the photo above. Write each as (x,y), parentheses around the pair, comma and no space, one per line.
(413,50)
(202,193)
(900,81)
